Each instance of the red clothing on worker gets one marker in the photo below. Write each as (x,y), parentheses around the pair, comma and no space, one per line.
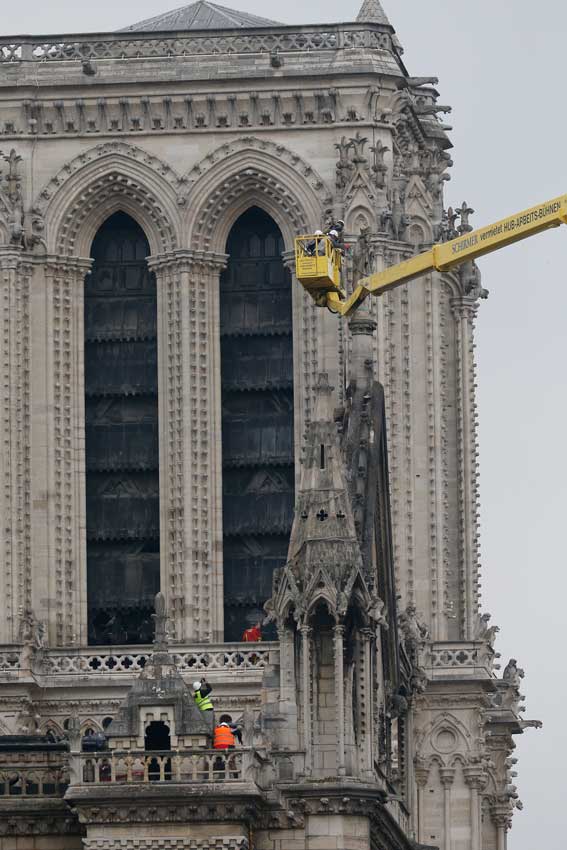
(223,738)
(252,635)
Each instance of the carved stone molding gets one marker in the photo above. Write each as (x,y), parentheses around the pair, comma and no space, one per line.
(15,423)
(223,842)
(235,809)
(44,817)
(281,152)
(63,280)
(110,177)
(251,171)
(98,154)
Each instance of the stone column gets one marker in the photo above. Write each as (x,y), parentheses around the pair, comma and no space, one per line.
(475,780)
(288,703)
(366,707)
(502,822)
(421,777)
(287,664)
(15,476)
(362,327)
(433,483)
(306,356)
(306,687)
(447,775)
(339,632)
(58,429)
(464,311)
(190,441)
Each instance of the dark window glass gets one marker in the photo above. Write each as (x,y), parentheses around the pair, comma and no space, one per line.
(257,417)
(121,410)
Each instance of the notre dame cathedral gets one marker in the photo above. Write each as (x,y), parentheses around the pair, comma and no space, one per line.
(189,447)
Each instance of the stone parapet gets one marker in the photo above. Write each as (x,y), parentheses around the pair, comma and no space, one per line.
(55,49)
(120,662)
(194,767)
(457,660)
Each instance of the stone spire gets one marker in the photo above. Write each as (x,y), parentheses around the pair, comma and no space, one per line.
(323,512)
(324,557)
(371,12)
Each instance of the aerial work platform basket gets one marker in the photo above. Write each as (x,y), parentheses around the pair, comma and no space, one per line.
(318,265)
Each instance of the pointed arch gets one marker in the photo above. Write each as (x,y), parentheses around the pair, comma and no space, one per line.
(359,217)
(445,736)
(252,173)
(89,723)
(110,178)
(52,726)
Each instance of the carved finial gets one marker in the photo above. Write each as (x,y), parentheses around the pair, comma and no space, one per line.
(371,12)
(323,394)
(465,211)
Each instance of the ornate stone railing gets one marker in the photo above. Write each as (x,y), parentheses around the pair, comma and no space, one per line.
(32,782)
(9,659)
(185,766)
(120,660)
(458,658)
(69,48)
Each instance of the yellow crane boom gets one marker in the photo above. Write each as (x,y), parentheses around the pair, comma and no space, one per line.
(327,292)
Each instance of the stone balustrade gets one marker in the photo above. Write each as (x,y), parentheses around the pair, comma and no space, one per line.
(178,766)
(9,659)
(104,661)
(32,781)
(458,659)
(140,45)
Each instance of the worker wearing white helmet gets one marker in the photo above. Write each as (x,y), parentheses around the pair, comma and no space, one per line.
(335,233)
(201,691)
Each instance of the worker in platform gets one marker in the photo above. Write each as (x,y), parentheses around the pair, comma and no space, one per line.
(310,246)
(223,737)
(253,634)
(335,234)
(201,691)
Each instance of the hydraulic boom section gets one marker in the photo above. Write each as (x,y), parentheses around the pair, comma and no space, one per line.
(325,287)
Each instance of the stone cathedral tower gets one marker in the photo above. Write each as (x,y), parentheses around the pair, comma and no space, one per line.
(188,445)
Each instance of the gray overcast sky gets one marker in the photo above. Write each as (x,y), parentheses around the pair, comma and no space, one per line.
(501,65)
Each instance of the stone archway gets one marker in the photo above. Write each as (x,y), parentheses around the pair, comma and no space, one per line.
(228,182)
(101,182)
(107,178)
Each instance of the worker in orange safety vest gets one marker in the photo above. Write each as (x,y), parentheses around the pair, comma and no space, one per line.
(223,737)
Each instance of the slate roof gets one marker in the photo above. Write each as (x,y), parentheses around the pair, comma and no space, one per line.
(200,16)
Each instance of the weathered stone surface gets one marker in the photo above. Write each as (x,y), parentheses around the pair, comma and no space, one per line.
(382,674)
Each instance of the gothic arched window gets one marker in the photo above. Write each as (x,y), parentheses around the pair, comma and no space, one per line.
(257,416)
(121,412)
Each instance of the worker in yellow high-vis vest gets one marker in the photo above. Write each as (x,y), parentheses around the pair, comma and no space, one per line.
(201,691)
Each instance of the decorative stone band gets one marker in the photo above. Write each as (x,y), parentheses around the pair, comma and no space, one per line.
(186,260)
(83,48)
(224,842)
(123,660)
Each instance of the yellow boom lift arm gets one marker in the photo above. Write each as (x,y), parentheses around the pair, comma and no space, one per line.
(318,264)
